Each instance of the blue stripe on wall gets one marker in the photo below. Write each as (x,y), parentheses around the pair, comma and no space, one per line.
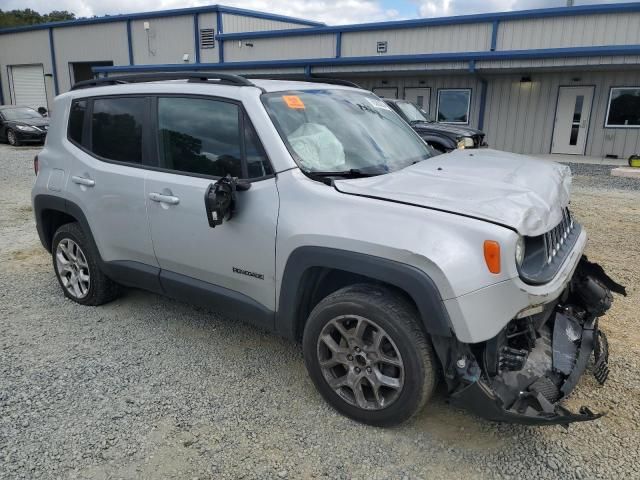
(196,36)
(220,29)
(129,42)
(54,69)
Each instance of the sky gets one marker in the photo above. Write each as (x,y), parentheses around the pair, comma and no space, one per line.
(333,12)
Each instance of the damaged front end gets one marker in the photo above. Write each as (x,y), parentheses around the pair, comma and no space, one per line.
(522,374)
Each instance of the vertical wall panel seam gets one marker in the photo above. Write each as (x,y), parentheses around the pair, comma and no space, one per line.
(54,69)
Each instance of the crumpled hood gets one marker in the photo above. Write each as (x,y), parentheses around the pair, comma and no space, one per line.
(524,193)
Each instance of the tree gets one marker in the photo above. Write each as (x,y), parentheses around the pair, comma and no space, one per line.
(17,18)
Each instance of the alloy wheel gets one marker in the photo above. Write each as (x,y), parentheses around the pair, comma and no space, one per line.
(73,268)
(11,138)
(360,362)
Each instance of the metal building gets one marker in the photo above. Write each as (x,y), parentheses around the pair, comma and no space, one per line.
(559,80)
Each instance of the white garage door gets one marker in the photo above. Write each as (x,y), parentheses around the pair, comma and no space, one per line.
(28,86)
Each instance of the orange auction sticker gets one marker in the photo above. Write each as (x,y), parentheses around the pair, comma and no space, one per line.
(293,101)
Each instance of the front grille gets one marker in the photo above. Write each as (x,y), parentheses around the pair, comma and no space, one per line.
(478,140)
(545,254)
(555,238)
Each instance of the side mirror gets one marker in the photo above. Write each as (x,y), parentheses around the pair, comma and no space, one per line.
(42,111)
(220,199)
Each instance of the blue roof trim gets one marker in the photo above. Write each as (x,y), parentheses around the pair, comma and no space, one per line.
(461,19)
(54,68)
(160,14)
(611,50)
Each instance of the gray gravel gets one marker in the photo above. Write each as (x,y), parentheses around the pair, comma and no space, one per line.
(599,176)
(150,388)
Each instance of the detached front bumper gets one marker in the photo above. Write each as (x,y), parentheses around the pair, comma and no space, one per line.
(522,374)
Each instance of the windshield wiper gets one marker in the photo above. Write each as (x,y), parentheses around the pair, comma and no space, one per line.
(353,172)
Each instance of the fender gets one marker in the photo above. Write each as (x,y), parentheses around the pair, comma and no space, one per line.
(132,274)
(443,140)
(417,284)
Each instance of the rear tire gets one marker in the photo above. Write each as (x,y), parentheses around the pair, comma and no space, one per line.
(75,262)
(368,356)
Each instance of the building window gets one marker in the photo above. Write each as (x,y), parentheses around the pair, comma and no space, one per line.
(116,128)
(624,108)
(453,105)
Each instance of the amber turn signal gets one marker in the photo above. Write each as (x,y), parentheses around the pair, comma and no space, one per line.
(492,255)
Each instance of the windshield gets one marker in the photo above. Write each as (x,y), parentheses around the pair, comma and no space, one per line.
(20,113)
(343,131)
(412,112)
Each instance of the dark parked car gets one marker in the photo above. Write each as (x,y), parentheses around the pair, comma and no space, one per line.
(443,137)
(22,125)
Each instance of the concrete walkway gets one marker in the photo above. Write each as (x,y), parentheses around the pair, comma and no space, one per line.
(557,157)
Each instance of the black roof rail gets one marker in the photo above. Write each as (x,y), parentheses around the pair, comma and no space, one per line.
(219,78)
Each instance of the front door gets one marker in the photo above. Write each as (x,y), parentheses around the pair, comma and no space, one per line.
(572,120)
(420,96)
(200,140)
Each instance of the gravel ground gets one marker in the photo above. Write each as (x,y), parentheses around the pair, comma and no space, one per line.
(146,387)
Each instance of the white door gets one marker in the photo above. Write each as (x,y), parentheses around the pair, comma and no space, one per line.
(27,83)
(572,120)
(391,92)
(419,96)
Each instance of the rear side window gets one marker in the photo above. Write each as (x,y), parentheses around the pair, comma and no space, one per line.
(76,120)
(116,128)
(200,136)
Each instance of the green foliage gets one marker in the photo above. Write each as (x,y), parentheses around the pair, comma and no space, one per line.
(17,18)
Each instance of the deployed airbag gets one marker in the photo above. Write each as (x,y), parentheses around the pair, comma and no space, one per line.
(317,147)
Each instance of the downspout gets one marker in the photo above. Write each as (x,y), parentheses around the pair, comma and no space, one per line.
(54,69)
(220,29)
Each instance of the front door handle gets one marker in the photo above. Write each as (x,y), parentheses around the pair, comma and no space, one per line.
(87,182)
(159,197)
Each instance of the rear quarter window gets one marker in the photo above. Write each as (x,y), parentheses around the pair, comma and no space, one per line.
(117,128)
(76,121)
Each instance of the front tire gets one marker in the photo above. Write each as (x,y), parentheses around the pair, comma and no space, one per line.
(368,356)
(75,262)
(12,138)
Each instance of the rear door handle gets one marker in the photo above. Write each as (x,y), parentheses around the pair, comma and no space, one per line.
(159,197)
(87,182)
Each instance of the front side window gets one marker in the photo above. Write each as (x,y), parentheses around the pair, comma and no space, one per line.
(624,107)
(116,128)
(453,105)
(341,130)
(200,136)
(76,120)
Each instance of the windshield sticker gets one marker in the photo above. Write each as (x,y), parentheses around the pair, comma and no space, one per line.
(378,103)
(293,101)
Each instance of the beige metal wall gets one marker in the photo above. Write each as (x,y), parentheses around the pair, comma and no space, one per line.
(167,40)
(577,31)
(239,23)
(519,117)
(25,48)
(438,39)
(311,46)
(209,20)
(89,43)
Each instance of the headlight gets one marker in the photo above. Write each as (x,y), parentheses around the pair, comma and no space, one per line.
(520,251)
(25,128)
(460,144)
(468,142)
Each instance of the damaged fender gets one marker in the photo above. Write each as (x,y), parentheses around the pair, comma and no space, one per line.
(522,374)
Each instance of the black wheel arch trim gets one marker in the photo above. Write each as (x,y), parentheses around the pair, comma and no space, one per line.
(414,282)
(446,142)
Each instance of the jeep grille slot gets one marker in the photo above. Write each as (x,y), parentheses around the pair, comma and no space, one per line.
(545,254)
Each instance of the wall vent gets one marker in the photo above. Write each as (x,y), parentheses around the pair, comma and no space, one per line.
(207,38)
(381,47)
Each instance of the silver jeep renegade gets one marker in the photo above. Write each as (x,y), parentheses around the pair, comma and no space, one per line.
(314,211)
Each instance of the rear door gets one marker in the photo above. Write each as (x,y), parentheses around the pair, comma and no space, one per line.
(107,140)
(199,140)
